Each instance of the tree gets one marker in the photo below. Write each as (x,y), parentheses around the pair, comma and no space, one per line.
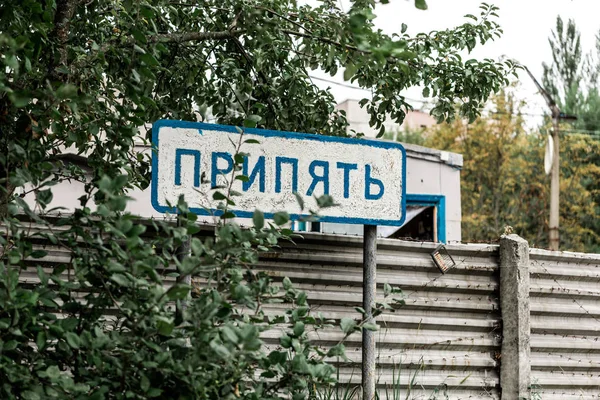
(489,186)
(572,79)
(503,182)
(563,78)
(572,76)
(413,136)
(88,76)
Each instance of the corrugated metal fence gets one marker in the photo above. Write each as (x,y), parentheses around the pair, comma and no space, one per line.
(565,325)
(445,342)
(445,339)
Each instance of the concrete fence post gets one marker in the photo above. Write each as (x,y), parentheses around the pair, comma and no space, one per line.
(515,367)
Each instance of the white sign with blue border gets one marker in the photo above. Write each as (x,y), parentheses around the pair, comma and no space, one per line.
(366,178)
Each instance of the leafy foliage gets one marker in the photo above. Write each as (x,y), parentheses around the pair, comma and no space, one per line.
(79,82)
(572,78)
(563,78)
(503,181)
(412,136)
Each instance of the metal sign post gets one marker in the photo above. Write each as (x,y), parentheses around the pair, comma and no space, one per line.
(366,179)
(369,293)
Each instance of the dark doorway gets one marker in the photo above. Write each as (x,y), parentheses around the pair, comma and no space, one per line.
(421,227)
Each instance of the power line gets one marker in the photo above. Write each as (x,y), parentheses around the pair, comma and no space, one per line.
(490,113)
(363,89)
(338,83)
(582,131)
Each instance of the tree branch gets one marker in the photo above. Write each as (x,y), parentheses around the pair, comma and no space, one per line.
(192,36)
(260,75)
(165,38)
(286,19)
(325,40)
(65,9)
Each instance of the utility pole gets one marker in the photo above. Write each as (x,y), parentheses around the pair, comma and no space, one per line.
(557,116)
(554,238)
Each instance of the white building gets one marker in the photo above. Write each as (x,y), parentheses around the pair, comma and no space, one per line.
(358,118)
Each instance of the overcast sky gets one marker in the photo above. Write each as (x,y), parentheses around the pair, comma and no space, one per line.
(526,23)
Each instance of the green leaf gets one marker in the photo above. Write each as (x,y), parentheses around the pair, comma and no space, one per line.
(228,215)
(287,283)
(298,328)
(149,59)
(178,291)
(325,201)
(347,325)
(148,12)
(281,218)
(360,310)
(387,289)
(300,200)
(238,158)
(285,341)
(10,345)
(12,62)
(29,395)
(40,340)
(44,197)
(219,196)
(197,247)
(421,4)
(164,327)
(258,218)
(370,327)
(301,299)
(339,350)
(404,55)
(144,383)
(220,350)
(19,99)
(299,364)
(139,49)
(66,91)
(136,75)
(73,340)
(120,279)
(350,71)
(14,257)
(154,392)
(53,372)
(229,334)
(252,121)
(139,35)
(38,254)
(404,28)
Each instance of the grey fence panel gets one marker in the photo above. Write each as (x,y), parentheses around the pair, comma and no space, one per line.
(443,343)
(445,340)
(565,325)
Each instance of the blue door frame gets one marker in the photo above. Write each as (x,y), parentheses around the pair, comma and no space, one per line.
(432,200)
(424,200)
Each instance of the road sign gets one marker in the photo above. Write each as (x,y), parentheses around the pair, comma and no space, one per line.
(364,177)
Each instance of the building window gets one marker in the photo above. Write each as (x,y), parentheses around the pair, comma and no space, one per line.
(419,225)
(425,221)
